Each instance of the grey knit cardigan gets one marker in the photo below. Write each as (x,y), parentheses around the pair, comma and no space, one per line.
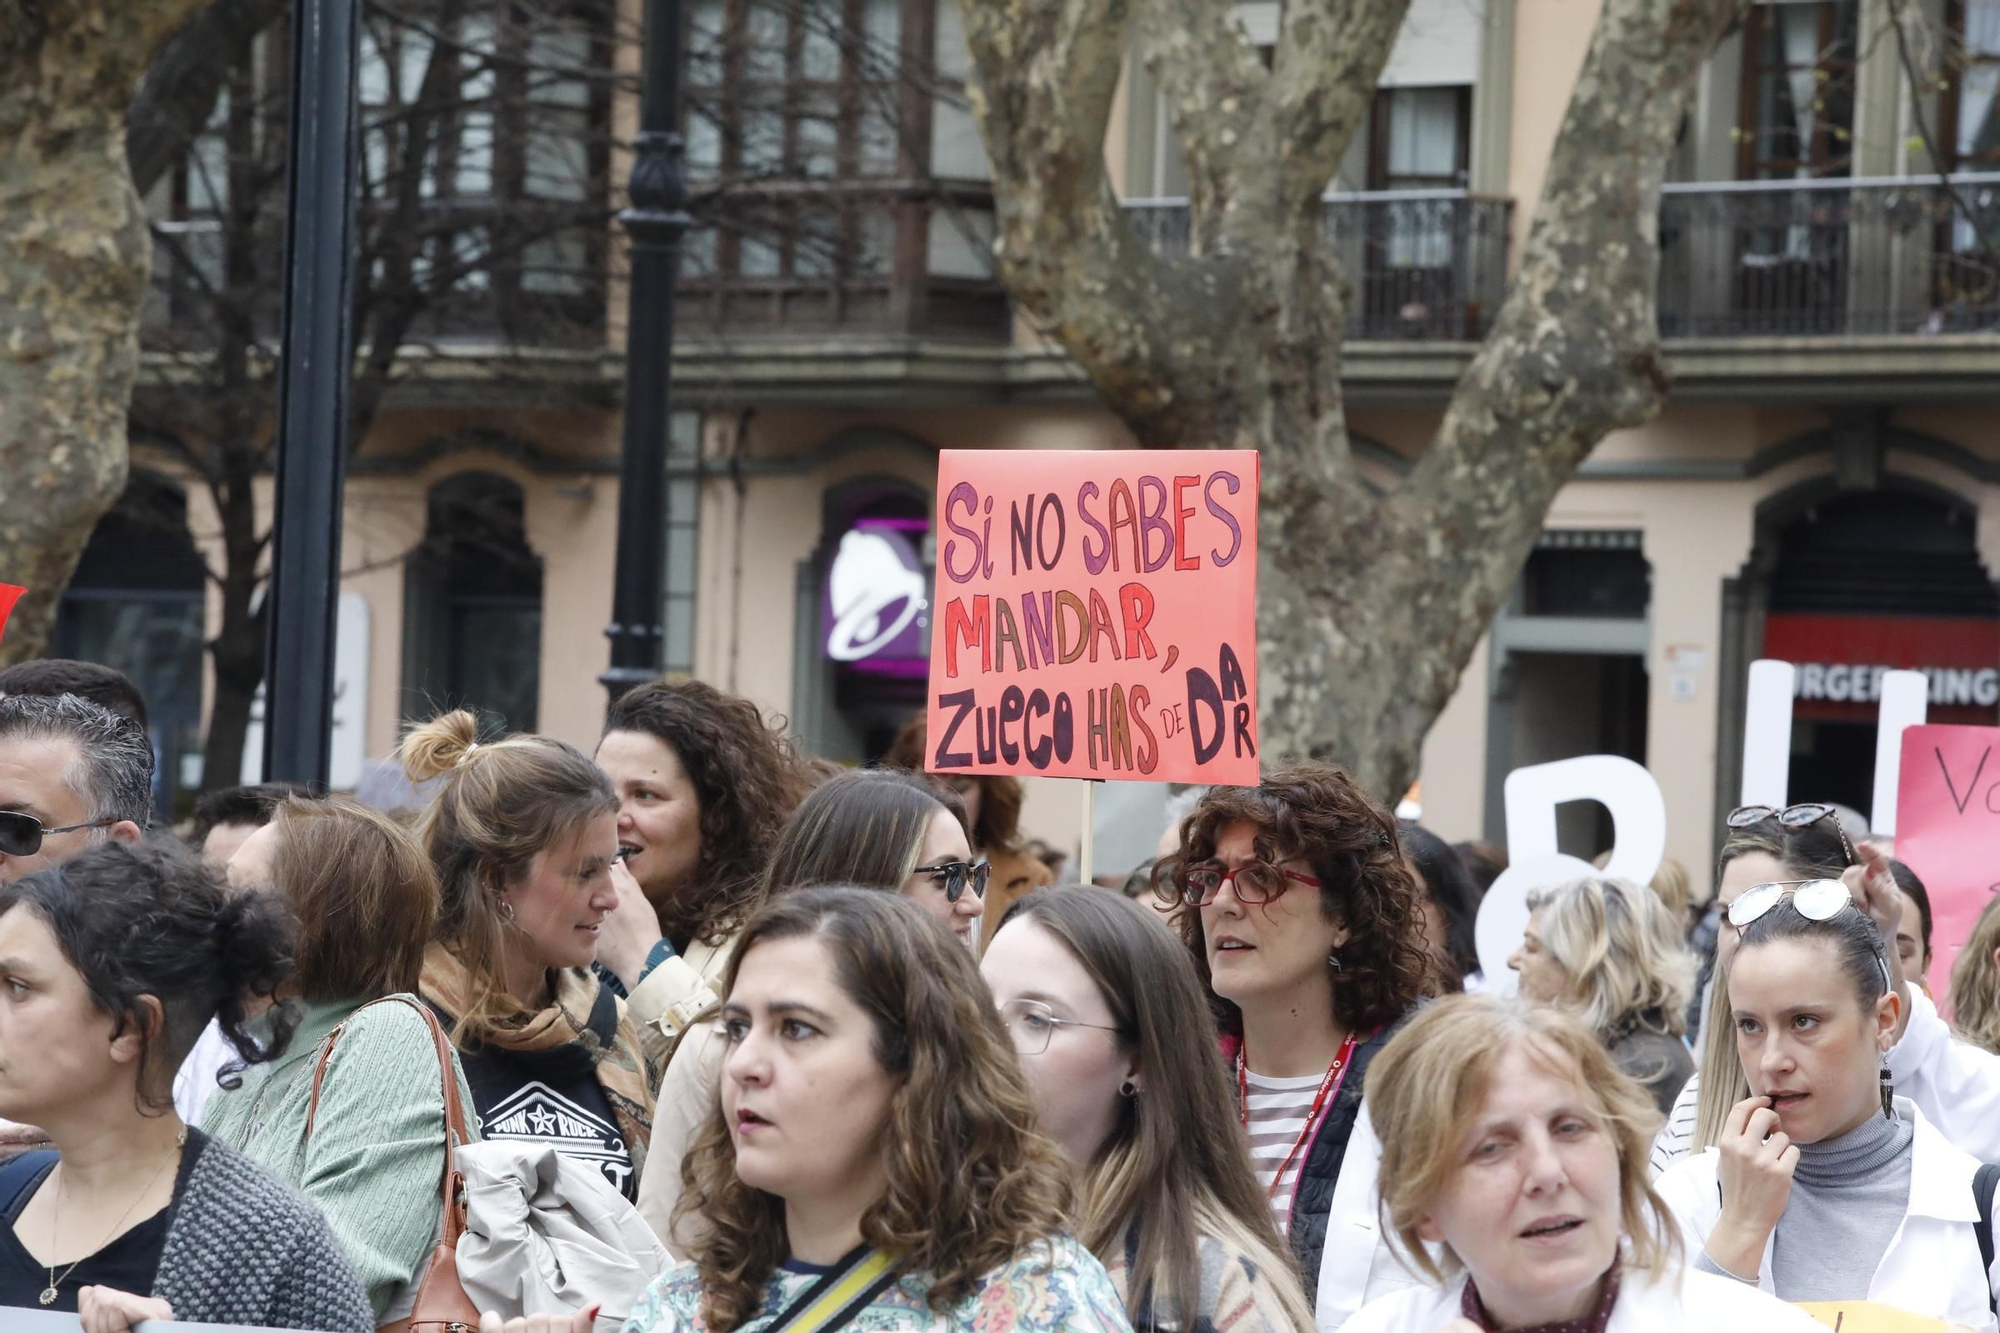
(244,1248)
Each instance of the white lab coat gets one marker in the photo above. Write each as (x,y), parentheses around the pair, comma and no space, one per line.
(1932,1266)
(1954,1083)
(1683,1300)
(1357,1266)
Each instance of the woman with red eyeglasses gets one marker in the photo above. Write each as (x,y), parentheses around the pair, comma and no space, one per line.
(1296,900)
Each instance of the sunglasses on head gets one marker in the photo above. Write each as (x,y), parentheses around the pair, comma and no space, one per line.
(956,876)
(1813,899)
(21,835)
(1803,815)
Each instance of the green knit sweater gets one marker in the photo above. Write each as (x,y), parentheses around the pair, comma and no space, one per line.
(375,1161)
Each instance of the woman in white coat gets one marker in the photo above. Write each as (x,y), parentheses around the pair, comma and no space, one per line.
(1514,1175)
(1824,1186)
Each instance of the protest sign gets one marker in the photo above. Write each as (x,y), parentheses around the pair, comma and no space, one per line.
(1095,615)
(1948,830)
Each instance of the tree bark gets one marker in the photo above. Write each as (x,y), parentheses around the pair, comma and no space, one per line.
(1369,606)
(74,262)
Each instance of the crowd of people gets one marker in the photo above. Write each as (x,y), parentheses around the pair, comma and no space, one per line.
(751,1045)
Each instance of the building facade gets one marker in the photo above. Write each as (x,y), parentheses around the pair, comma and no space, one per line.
(1824,484)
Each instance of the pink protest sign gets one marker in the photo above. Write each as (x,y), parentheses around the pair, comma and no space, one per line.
(1948,831)
(9,594)
(1095,615)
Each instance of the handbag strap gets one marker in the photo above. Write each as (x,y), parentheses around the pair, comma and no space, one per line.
(456,1134)
(838,1295)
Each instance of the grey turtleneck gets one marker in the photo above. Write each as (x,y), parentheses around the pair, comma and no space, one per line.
(1848,1197)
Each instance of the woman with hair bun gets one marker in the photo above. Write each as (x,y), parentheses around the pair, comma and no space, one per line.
(1611,952)
(111,964)
(523,834)
(367,1143)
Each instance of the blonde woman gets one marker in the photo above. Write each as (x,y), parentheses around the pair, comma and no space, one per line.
(1975,983)
(1514,1177)
(1610,952)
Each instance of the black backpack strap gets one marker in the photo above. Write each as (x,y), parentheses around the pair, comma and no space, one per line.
(1983,1185)
(21,1173)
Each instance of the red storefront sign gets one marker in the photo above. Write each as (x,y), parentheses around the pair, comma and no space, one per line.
(1841,661)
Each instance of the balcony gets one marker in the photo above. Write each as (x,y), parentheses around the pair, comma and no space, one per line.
(1427,265)
(1830,258)
(823,259)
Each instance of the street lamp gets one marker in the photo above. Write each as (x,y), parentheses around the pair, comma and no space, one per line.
(313,379)
(655,221)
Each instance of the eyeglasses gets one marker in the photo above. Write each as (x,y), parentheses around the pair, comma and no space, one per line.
(1803,815)
(957,875)
(1031,1022)
(1256,882)
(21,835)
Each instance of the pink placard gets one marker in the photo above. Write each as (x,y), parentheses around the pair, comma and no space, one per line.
(1095,615)
(1948,831)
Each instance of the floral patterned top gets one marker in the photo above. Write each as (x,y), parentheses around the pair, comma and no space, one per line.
(1055,1288)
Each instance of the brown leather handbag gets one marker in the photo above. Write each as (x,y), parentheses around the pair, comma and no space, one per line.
(442,1305)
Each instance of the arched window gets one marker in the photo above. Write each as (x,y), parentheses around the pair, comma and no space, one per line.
(472,607)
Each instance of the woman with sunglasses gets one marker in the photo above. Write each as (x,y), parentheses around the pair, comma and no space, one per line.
(1824,1186)
(1298,906)
(877,828)
(1118,1046)
(1761,845)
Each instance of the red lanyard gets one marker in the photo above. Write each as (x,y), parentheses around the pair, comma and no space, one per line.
(1329,1087)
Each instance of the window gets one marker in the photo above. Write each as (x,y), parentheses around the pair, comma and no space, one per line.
(1971,129)
(1797,116)
(1420,139)
(515,157)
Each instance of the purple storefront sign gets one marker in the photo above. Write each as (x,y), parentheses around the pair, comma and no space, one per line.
(875,613)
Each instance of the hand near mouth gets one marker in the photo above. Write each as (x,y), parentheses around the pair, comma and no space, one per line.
(1757,1159)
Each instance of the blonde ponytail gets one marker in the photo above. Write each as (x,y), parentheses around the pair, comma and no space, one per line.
(437,747)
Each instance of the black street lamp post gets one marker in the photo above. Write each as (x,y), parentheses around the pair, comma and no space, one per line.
(655,221)
(314,374)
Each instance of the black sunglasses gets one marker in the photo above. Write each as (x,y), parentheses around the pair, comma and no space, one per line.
(21,835)
(956,875)
(1802,815)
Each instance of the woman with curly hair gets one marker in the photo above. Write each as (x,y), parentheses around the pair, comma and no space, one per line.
(1299,907)
(993,812)
(704,784)
(874,1140)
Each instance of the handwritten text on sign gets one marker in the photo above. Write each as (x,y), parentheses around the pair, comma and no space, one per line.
(1096,615)
(1948,830)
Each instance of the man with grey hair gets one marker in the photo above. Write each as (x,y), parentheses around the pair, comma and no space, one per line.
(72,774)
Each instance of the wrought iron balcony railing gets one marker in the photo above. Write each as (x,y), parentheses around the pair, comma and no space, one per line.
(1424,264)
(1830,257)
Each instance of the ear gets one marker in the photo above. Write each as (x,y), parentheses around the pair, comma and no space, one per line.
(129,1046)
(1135,1073)
(126,831)
(1888,1010)
(1429,1231)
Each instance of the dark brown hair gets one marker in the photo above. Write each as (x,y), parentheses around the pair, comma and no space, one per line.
(1317,812)
(865,827)
(746,780)
(1176,1166)
(364,893)
(998,828)
(971,1181)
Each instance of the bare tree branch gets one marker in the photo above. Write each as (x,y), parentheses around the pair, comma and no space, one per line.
(178,96)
